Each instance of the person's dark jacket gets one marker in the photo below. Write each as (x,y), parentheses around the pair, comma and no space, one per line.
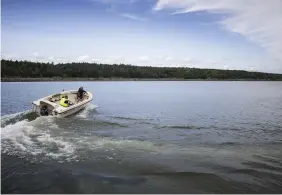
(80,92)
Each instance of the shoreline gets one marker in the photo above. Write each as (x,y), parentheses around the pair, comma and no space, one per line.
(59,79)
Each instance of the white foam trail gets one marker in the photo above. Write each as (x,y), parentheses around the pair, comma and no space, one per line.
(26,138)
(95,143)
(16,116)
(51,122)
(85,112)
(43,138)
(36,138)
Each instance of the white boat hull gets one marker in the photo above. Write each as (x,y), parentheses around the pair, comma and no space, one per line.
(55,109)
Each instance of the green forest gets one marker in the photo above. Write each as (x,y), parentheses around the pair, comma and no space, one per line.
(28,69)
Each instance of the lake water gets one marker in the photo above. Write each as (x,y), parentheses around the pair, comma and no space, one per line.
(145,137)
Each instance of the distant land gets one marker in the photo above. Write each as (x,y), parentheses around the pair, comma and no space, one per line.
(18,71)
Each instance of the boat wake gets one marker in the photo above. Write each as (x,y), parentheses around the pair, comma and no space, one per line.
(32,138)
(86,111)
(13,118)
(73,138)
(51,138)
(80,138)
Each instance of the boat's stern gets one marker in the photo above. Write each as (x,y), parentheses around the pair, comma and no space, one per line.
(43,107)
(36,107)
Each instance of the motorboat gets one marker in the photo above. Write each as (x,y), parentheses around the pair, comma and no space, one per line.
(50,105)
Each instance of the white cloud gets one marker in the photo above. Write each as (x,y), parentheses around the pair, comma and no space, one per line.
(144,58)
(8,56)
(168,58)
(82,58)
(187,59)
(50,58)
(251,69)
(115,59)
(133,17)
(258,21)
(35,54)
(95,60)
(39,58)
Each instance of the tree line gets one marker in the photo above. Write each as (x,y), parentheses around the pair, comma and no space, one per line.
(28,69)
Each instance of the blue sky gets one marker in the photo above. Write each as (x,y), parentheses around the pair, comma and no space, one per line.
(203,34)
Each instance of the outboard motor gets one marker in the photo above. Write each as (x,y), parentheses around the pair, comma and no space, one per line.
(44,111)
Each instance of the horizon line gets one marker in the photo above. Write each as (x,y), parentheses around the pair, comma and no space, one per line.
(149,66)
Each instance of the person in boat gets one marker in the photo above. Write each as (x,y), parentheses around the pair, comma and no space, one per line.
(64,101)
(44,111)
(80,93)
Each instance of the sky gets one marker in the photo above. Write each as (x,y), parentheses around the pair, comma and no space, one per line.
(221,34)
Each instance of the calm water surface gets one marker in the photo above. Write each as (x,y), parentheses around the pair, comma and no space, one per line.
(145,137)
